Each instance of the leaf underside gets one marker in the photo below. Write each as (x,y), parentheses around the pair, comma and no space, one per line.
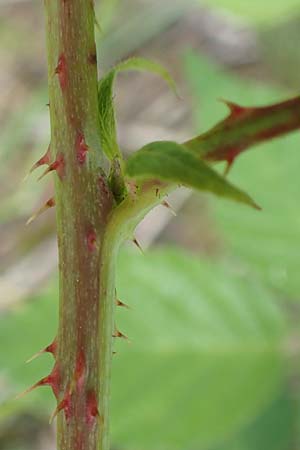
(171,162)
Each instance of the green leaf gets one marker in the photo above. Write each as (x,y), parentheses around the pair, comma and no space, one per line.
(205,356)
(169,161)
(272,174)
(261,434)
(106,103)
(205,359)
(27,329)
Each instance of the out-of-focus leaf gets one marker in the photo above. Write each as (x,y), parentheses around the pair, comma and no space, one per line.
(269,243)
(262,433)
(106,103)
(279,48)
(257,11)
(169,161)
(27,329)
(205,357)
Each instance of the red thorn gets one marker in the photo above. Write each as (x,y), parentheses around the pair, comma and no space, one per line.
(230,158)
(61,71)
(123,305)
(92,411)
(81,148)
(59,407)
(52,348)
(235,109)
(52,380)
(49,349)
(50,168)
(80,369)
(45,159)
(49,204)
(91,239)
(167,205)
(58,165)
(228,167)
(65,405)
(28,390)
(136,242)
(118,334)
(36,355)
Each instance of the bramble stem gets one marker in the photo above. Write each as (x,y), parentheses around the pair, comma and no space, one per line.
(84,202)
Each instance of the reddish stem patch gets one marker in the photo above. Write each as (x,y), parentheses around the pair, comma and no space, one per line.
(45,159)
(81,149)
(80,369)
(58,165)
(92,411)
(62,71)
(66,405)
(91,239)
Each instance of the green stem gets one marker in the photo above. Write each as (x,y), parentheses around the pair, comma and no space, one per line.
(81,375)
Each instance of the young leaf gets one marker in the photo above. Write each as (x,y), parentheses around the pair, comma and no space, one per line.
(106,104)
(244,127)
(169,161)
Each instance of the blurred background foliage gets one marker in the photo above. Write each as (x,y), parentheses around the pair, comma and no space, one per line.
(213,362)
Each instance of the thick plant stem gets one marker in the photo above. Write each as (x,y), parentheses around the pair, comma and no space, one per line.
(81,375)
